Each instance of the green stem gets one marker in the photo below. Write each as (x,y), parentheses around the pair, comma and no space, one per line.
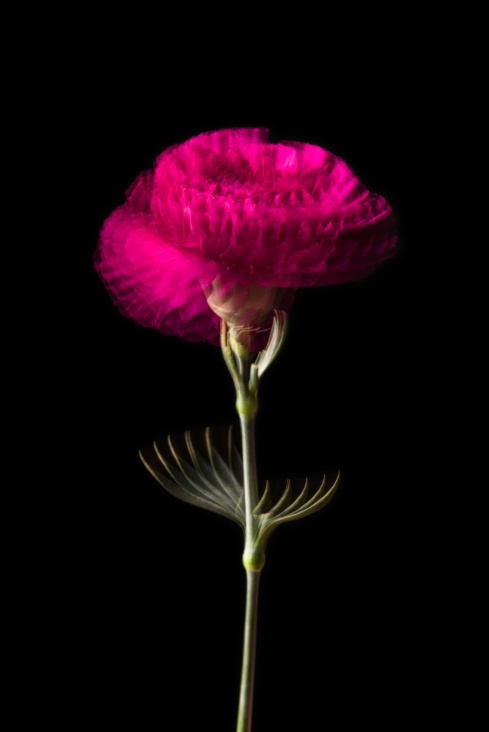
(253,556)
(249,651)
(239,362)
(250,481)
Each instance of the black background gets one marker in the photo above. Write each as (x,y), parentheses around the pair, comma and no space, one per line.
(152,590)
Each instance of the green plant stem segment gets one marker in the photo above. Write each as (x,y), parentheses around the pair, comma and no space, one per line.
(249,652)
(246,373)
(253,555)
(230,487)
(246,377)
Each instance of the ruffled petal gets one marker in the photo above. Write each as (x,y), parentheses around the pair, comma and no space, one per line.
(228,204)
(154,282)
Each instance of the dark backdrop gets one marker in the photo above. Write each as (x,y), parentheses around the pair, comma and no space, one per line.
(154,587)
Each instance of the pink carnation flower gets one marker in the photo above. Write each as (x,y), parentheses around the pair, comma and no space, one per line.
(228,225)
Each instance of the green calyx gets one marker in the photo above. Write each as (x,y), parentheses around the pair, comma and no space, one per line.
(246,372)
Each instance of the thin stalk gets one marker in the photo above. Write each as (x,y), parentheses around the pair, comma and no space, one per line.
(250,478)
(249,651)
(253,557)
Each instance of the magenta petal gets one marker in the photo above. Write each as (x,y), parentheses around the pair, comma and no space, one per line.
(230,206)
(153,282)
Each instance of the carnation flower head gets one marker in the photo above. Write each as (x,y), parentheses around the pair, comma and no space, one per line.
(228,225)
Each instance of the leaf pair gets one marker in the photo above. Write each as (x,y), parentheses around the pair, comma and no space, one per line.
(215,482)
